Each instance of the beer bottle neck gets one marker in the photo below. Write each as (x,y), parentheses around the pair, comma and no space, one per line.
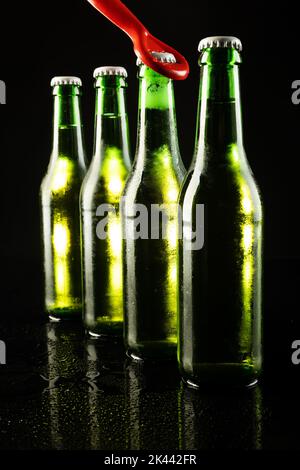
(67,127)
(111,120)
(157,127)
(219,123)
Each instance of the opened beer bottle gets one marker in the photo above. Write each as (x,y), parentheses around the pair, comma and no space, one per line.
(149,216)
(59,196)
(100,200)
(220,279)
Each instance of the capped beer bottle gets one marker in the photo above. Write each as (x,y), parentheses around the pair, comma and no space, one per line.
(59,196)
(220,282)
(149,215)
(100,198)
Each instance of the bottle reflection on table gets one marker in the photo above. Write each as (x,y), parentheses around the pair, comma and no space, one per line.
(105,394)
(151,406)
(63,373)
(220,420)
(93,401)
(84,392)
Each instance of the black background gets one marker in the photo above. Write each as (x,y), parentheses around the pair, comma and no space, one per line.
(68,37)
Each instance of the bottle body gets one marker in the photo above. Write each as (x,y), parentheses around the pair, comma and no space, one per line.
(150,251)
(100,211)
(59,198)
(220,283)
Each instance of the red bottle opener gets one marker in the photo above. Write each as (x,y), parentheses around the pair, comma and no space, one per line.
(143,42)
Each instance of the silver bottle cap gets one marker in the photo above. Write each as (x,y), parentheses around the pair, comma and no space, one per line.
(110,70)
(66,81)
(220,41)
(164,57)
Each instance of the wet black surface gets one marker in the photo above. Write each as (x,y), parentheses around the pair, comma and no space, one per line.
(62,390)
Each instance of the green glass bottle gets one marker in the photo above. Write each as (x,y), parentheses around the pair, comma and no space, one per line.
(220,282)
(100,198)
(59,197)
(150,247)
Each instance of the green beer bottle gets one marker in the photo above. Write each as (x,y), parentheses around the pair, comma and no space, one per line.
(220,282)
(149,214)
(100,198)
(59,196)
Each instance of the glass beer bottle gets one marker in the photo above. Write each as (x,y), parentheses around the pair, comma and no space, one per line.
(220,282)
(150,246)
(59,197)
(100,198)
